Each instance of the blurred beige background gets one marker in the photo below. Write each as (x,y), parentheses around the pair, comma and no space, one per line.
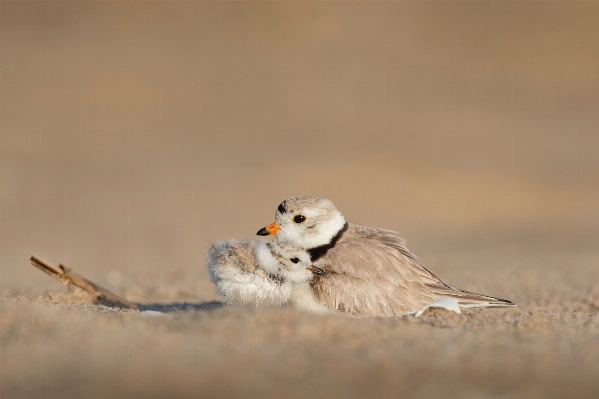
(135,133)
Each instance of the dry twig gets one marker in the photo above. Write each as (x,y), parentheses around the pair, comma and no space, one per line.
(69,277)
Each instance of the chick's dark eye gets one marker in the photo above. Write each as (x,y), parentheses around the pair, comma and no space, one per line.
(299,218)
(294,260)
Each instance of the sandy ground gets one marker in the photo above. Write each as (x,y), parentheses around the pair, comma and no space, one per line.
(133,134)
(57,345)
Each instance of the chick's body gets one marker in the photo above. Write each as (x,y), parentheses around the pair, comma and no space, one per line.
(263,274)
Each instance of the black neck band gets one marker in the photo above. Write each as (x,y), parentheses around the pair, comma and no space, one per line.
(320,251)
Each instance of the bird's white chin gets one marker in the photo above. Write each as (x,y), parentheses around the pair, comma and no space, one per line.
(290,235)
(300,275)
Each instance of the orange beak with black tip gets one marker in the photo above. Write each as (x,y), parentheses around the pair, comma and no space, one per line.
(268,230)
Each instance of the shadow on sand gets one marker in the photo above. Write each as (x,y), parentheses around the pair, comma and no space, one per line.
(180,306)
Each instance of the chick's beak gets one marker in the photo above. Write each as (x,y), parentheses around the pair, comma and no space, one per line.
(268,230)
(316,270)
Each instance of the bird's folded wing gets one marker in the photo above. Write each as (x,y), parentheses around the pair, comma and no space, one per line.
(374,273)
(370,277)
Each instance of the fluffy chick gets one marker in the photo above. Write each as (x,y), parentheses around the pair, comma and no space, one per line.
(263,273)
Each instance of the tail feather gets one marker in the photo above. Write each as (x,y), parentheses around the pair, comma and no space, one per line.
(468,299)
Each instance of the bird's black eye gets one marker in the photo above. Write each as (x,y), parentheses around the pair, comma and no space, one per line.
(299,218)
(294,260)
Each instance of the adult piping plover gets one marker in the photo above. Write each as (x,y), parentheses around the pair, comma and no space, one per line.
(263,273)
(367,271)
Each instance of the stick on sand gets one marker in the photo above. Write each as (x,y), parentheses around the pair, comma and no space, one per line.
(69,277)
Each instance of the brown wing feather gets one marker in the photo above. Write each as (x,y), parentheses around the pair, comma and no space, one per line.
(371,271)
